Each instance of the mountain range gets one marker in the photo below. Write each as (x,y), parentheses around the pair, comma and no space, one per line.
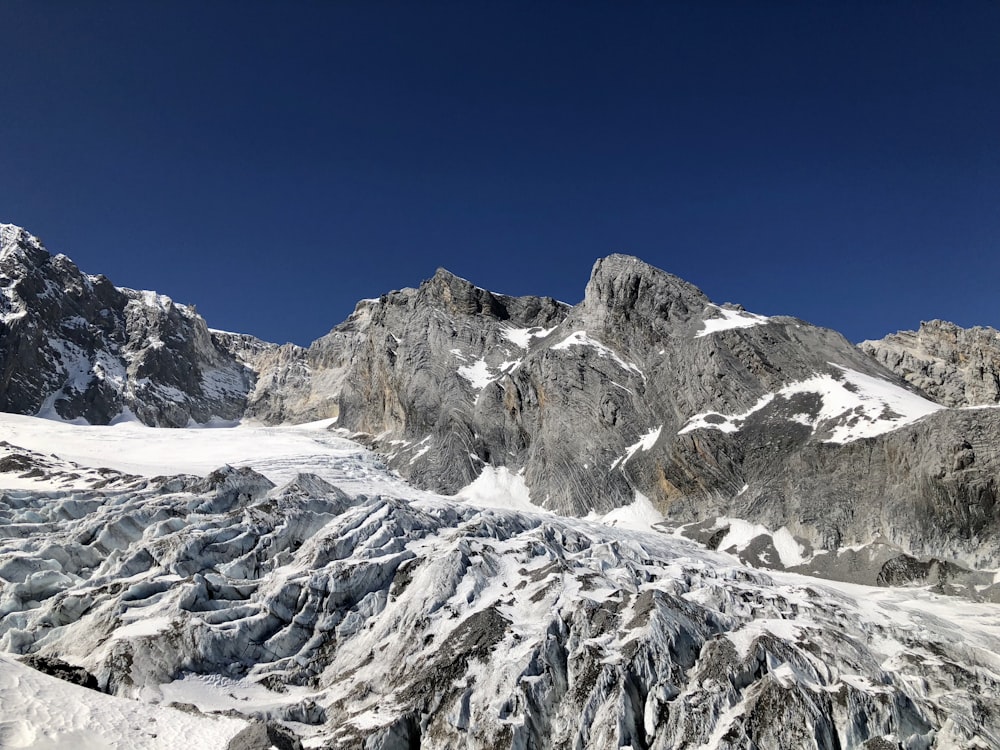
(654,453)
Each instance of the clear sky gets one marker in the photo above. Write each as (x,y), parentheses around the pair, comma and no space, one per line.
(274,162)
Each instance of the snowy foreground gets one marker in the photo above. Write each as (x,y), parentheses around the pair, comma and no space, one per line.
(252,587)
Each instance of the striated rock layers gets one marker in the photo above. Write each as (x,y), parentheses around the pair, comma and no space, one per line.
(954,366)
(77,347)
(645,389)
(648,387)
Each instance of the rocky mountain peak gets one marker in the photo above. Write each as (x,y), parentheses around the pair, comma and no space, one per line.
(77,347)
(932,331)
(12,236)
(458,296)
(19,247)
(625,291)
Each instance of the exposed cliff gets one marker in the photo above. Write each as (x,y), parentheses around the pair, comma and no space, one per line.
(954,366)
(78,347)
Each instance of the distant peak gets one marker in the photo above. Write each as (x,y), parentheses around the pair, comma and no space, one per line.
(18,242)
(630,285)
(619,264)
(460,295)
(443,274)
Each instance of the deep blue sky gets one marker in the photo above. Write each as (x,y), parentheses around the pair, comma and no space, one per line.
(275,162)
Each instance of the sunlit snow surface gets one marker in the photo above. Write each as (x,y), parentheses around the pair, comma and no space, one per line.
(522,337)
(486,556)
(854,406)
(725,320)
(279,453)
(46,713)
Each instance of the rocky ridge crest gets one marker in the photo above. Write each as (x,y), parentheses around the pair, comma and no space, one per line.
(77,347)
(646,391)
(954,366)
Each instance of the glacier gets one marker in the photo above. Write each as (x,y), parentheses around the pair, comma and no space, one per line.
(300,592)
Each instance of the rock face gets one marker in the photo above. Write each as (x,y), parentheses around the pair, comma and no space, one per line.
(405,368)
(647,388)
(954,366)
(645,392)
(78,347)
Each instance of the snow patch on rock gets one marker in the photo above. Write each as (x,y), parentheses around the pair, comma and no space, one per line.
(582,338)
(726,319)
(854,406)
(522,337)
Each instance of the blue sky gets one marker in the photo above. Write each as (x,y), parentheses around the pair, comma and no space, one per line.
(273,163)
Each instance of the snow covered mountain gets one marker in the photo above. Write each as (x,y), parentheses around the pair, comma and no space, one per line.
(589,526)
(73,346)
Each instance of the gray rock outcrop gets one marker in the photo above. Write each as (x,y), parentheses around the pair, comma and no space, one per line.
(648,387)
(78,347)
(645,389)
(954,366)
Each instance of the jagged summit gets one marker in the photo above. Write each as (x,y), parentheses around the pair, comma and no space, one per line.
(17,242)
(624,291)
(631,275)
(76,347)
(461,297)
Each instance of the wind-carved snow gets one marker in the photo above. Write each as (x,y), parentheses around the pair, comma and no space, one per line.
(727,319)
(582,338)
(344,610)
(853,406)
(522,337)
(645,443)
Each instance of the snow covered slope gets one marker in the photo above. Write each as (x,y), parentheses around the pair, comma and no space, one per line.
(851,406)
(45,713)
(372,615)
